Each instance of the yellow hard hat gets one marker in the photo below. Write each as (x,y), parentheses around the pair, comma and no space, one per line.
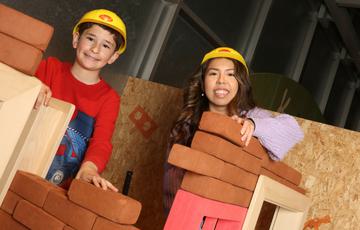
(107,18)
(225,52)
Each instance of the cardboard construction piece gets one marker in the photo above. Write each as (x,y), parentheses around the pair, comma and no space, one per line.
(189,211)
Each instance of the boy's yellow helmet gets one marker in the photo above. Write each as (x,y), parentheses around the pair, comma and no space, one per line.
(225,52)
(107,18)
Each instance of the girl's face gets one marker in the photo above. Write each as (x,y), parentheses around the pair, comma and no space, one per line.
(220,84)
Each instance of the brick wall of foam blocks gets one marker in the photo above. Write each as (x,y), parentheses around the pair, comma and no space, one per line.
(34,203)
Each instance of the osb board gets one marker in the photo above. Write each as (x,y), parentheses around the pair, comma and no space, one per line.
(147,113)
(329,161)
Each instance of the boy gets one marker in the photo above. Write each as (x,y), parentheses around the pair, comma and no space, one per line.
(98,38)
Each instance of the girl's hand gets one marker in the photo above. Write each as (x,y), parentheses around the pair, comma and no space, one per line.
(43,97)
(88,172)
(247,129)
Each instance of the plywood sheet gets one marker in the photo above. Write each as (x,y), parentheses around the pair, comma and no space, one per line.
(329,161)
(44,136)
(40,138)
(147,113)
(18,93)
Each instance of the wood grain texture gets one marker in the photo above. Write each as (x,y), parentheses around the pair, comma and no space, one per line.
(18,93)
(140,152)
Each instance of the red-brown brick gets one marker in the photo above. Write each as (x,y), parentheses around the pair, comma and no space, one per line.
(8,223)
(205,164)
(25,28)
(226,151)
(227,128)
(31,187)
(58,205)
(34,217)
(102,223)
(19,55)
(281,180)
(215,189)
(114,206)
(10,201)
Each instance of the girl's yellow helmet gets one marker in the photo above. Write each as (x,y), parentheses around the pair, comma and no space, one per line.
(107,18)
(227,53)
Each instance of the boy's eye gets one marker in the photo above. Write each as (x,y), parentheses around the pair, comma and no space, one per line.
(106,46)
(90,38)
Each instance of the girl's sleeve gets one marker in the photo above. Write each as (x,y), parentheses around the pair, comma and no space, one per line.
(278,134)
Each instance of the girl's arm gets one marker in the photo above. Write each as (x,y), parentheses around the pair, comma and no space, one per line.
(278,134)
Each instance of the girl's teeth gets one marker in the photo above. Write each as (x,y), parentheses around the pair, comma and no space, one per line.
(221,92)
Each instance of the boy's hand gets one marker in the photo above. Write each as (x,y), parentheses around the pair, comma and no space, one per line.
(247,129)
(43,97)
(88,172)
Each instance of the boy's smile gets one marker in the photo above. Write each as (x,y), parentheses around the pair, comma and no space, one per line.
(95,48)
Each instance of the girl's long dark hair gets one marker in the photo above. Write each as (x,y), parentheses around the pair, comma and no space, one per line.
(196,102)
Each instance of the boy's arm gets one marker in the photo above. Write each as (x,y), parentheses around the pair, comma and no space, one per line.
(43,97)
(89,172)
(44,73)
(100,147)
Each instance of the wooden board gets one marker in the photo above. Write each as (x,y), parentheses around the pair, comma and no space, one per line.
(292,206)
(147,113)
(18,93)
(44,136)
(39,132)
(328,159)
(38,142)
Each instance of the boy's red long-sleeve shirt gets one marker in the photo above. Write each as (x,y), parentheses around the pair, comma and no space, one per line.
(98,101)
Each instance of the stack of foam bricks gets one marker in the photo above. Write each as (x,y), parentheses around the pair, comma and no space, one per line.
(23,40)
(34,203)
(221,176)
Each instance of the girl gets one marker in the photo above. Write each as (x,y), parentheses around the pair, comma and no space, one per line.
(222,85)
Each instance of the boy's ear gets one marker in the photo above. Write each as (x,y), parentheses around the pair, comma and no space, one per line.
(75,40)
(113,57)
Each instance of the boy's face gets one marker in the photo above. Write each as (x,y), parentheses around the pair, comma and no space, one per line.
(94,48)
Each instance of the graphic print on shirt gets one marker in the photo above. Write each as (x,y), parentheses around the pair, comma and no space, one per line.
(71,151)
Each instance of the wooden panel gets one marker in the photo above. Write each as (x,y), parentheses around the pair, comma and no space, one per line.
(328,159)
(44,136)
(38,142)
(28,138)
(18,93)
(292,205)
(147,113)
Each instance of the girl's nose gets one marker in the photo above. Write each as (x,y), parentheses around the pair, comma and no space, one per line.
(221,79)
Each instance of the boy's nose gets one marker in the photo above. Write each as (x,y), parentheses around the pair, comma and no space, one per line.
(95,48)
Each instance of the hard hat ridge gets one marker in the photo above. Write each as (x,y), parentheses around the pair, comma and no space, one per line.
(225,52)
(107,18)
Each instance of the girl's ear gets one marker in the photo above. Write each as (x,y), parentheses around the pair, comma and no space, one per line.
(75,41)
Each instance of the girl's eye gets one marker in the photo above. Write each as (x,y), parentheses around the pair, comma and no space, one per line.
(106,46)
(90,38)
